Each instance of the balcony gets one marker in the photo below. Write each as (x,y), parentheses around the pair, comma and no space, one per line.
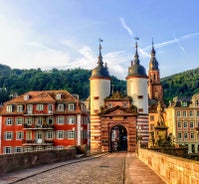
(37,142)
(38,127)
(38,113)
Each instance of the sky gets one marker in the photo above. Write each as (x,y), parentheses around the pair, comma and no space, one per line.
(64,34)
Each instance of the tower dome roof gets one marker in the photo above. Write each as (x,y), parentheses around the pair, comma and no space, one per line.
(136,69)
(100,70)
(153,64)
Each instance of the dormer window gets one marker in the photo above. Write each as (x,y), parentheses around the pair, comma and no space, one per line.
(71,107)
(184,104)
(26,97)
(58,96)
(9,108)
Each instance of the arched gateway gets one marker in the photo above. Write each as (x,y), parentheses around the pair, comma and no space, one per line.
(118,138)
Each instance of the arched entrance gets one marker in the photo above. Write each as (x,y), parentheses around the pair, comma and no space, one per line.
(118,136)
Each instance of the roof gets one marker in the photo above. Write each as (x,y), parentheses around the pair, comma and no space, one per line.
(101,70)
(136,69)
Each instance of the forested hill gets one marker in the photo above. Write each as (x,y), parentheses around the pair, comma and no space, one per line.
(181,84)
(19,81)
(76,81)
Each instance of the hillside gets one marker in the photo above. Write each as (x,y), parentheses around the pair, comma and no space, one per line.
(181,84)
(77,81)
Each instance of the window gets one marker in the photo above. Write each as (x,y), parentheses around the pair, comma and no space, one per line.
(192,135)
(197,113)
(58,96)
(29,108)
(185,135)
(39,148)
(28,149)
(197,103)
(179,124)
(185,124)
(49,135)
(109,105)
(7,150)
(39,107)
(39,135)
(151,118)
(19,108)
(60,120)
(60,107)
(71,107)
(60,134)
(39,121)
(178,113)
(179,135)
(184,104)
(60,147)
(140,110)
(191,124)
(190,113)
(9,108)
(71,134)
(71,120)
(50,120)
(96,97)
(28,135)
(29,121)
(19,121)
(198,124)
(19,136)
(140,96)
(184,113)
(151,126)
(50,108)
(8,135)
(9,121)
(18,149)
(49,148)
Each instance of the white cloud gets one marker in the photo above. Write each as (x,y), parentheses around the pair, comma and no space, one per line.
(124,25)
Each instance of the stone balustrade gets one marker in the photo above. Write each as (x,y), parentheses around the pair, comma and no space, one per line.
(172,169)
(18,161)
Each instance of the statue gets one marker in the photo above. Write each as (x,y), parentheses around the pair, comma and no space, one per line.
(160,121)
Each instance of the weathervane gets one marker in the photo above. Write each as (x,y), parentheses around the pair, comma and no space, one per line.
(136,38)
(100,46)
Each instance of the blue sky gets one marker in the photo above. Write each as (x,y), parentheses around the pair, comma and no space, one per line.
(64,34)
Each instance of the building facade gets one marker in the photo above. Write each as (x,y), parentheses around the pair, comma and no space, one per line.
(42,120)
(183,121)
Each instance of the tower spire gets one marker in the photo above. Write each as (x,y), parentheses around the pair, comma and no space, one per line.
(136,60)
(100,58)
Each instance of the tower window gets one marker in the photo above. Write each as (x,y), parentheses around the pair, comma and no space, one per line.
(140,110)
(140,96)
(96,97)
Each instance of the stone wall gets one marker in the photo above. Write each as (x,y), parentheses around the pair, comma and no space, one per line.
(173,170)
(13,162)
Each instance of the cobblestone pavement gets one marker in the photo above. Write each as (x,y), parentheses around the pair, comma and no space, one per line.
(102,170)
(115,168)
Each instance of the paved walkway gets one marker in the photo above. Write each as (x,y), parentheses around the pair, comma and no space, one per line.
(139,173)
(136,172)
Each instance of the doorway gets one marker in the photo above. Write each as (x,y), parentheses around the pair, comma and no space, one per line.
(118,138)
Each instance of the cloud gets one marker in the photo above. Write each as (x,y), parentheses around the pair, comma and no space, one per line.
(124,25)
(178,43)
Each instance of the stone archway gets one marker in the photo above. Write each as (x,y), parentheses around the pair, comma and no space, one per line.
(118,138)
